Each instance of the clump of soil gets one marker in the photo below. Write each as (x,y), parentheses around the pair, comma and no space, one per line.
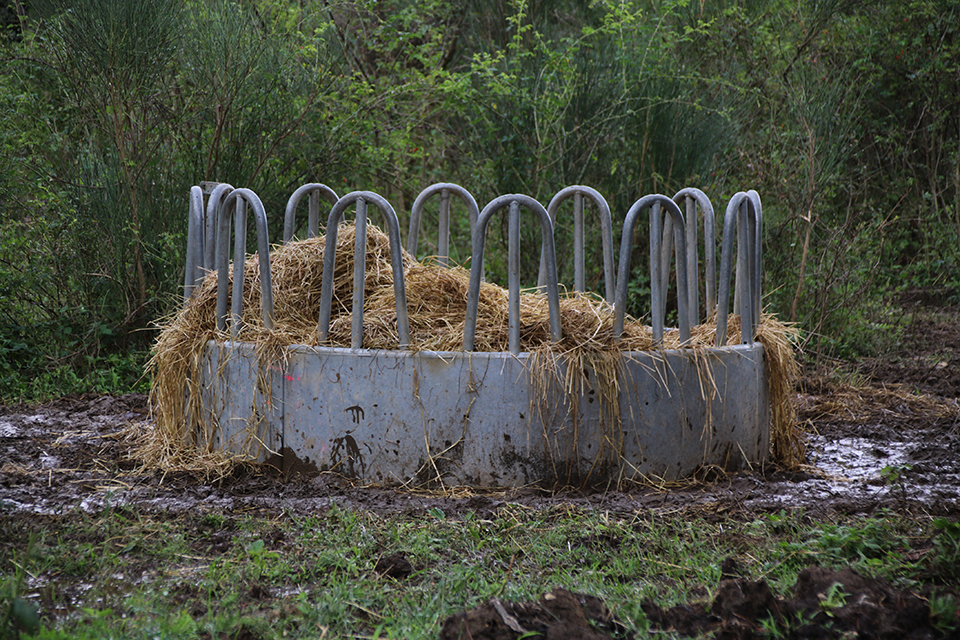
(824,605)
(559,615)
(395,565)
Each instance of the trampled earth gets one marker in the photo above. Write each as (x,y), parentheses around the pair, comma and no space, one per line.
(883,436)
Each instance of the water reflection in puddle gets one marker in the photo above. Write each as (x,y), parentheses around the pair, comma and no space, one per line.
(856,458)
(853,469)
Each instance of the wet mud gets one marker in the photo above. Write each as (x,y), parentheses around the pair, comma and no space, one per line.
(881,435)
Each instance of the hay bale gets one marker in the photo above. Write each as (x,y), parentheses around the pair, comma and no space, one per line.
(436,303)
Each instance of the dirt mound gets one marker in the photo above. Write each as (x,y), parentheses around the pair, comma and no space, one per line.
(559,615)
(824,605)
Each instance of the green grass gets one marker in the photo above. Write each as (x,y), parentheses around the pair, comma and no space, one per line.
(124,573)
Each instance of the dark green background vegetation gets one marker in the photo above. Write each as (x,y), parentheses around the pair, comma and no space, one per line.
(844,116)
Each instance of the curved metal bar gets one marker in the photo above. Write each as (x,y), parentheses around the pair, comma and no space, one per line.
(239,249)
(757,255)
(513,277)
(362,198)
(578,192)
(192,272)
(241,197)
(315,190)
(514,201)
(416,213)
(738,214)
(210,243)
(666,246)
(692,198)
(742,265)
(623,276)
(359,274)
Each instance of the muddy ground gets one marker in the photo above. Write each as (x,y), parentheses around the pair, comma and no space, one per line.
(881,435)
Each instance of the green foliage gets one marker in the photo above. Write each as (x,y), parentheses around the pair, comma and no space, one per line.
(17,614)
(868,545)
(944,613)
(121,47)
(839,113)
(261,560)
(834,598)
(597,99)
(946,545)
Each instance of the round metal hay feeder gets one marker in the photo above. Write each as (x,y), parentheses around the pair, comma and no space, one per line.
(484,419)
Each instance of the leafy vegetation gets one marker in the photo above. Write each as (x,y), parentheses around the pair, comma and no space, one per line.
(127,573)
(843,115)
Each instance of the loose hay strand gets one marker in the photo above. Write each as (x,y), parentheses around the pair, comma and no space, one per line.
(777,339)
